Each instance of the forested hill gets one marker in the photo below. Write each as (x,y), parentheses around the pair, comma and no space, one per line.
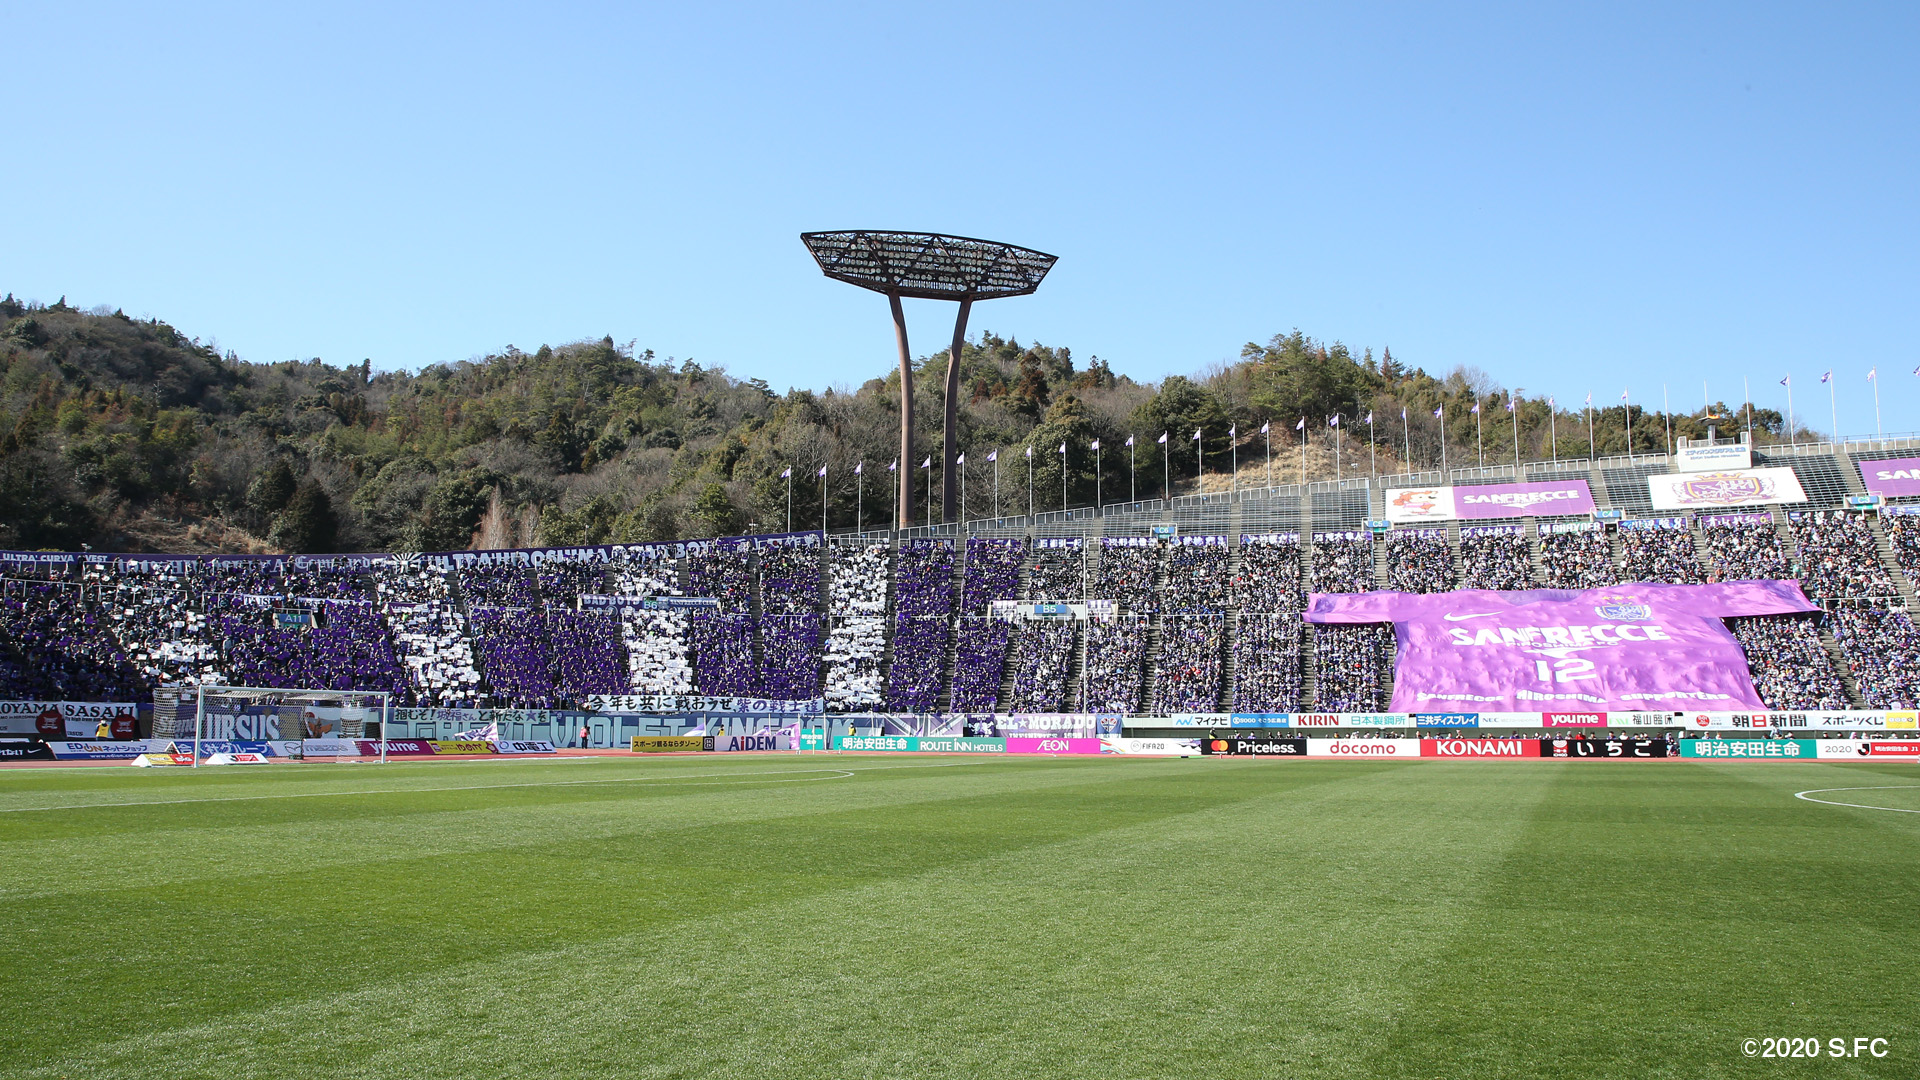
(127,435)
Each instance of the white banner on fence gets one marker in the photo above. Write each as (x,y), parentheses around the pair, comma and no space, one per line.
(1725,487)
(65,719)
(698,703)
(1713,458)
(1113,744)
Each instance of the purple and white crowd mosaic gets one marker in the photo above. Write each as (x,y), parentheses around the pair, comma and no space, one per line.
(1201,624)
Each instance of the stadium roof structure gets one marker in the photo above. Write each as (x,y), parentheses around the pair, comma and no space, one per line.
(928,266)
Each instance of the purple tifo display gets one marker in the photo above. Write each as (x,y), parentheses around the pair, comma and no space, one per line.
(1892,477)
(1622,647)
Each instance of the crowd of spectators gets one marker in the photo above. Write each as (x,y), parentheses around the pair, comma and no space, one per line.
(1902,526)
(658,660)
(512,647)
(1199,575)
(1576,555)
(1350,666)
(1042,656)
(1882,650)
(1266,664)
(1342,562)
(857,636)
(979,664)
(498,585)
(1129,569)
(1419,561)
(1058,570)
(55,646)
(1659,549)
(1742,547)
(1838,555)
(923,578)
(1187,678)
(722,654)
(1791,668)
(1116,653)
(789,668)
(790,576)
(913,673)
(1495,557)
(992,572)
(723,570)
(587,653)
(1269,576)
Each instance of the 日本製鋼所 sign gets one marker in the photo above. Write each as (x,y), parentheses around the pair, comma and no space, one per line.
(1618,649)
(1472,502)
(1725,487)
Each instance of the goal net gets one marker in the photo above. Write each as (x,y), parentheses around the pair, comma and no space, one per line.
(275,722)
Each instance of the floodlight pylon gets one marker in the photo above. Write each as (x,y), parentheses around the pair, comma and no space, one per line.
(928,266)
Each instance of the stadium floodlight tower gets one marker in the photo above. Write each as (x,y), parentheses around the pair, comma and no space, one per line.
(928,266)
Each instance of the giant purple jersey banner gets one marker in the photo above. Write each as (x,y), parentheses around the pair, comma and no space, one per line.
(1892,477)
(1624,647)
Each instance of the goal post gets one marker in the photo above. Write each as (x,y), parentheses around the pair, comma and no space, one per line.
(289,714)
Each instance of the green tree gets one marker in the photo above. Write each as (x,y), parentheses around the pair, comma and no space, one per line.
(714,513)
(307,525)
(268,495)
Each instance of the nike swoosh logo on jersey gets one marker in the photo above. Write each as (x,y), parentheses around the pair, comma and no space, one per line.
(1475,615)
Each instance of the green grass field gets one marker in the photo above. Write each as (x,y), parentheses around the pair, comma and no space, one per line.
(866,916)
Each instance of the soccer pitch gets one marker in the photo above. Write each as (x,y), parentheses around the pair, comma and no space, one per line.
(917,916)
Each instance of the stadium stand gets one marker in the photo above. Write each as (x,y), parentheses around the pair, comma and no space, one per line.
(1419,561)
(1791,669)
(1042,654)
(1658,549)
(1129,567)
(1494,557)
(1187,678)
(1838,556)
(1116,653)
(1342,562)
(1576,555)
(1266,672)
(1269,576)
(1742,547)
(1350,666)
(1199,575)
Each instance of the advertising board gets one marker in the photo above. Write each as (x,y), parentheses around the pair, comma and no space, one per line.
(1479,748)
(1603,748)
(1891,477)
(460,747)
(1363,749)
(1751,749)
(671,744)
(1113,744)
(1573,719)
(523,746)
(763,741)
(1700,458)
(1869,750)
(1478,502)
(1023,745)
(1295,747)
(25,750)
(1446,720)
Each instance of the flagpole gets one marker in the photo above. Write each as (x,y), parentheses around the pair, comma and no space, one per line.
(1336,449)
(1873,376)
(789,500)
(962,466)
(1406,442)
(1096,474)
(1592,450)
(1666,410)
(1833,409)
(1373,466)
(1513,410)
(823,501)
(1063,476)
(1166,468)
(1133,486)
(895,470)
(1626,421)
(1792,439)
(996,481)
(1198,487)
(860,497)
(1233,440)
(1480,444)
(1553,428)
(1303,452)
(1267,430)
(1746,393)
(1030,482)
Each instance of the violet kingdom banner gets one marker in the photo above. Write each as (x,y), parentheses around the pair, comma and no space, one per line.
(1477,502)
(1623,647)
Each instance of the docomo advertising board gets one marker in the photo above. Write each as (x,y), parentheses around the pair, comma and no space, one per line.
(1363,749)
(1725,487)
(1478,502)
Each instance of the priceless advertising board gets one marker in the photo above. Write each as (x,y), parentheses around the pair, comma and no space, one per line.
(1479,748)
(1892,476)
(1869,750)
(1725,487)
(1619,648)
(1476,502)
(1360,749)
(1603,748)
(1024,745)
(671,744)
(1295,747)
(1752,749)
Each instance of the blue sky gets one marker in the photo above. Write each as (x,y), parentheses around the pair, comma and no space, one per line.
(1570,197)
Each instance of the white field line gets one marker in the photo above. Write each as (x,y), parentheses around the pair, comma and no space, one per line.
(1858,806)
(802,776)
